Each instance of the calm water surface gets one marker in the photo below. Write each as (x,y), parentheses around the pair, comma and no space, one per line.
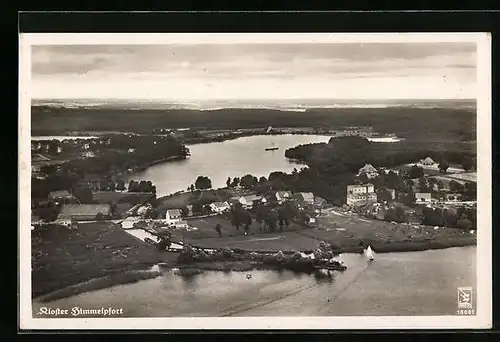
(231,158)
(416,283)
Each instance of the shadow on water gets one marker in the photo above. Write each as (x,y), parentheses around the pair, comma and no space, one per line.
(324,277)
(189,277)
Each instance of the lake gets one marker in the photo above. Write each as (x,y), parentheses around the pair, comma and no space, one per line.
(231,158)
(397,284)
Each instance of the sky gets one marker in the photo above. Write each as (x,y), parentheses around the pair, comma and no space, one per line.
(198,72)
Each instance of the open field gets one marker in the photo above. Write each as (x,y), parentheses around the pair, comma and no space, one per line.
(343,231)
(62,257)
(468,177)
(206,228)
(431,170)
(347,231)
(281,241)
(108,197)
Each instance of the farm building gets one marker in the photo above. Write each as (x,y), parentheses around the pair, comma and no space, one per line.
(219,207)
(423,197)
(84,212)
(61,195)
(247,201)
(306,197)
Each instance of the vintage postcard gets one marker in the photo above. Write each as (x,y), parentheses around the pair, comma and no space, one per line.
(255,181)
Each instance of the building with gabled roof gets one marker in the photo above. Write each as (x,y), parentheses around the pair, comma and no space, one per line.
(369,171)
(283,195)
(84,212)
(428,161)
(219,207)
(60,194)
(247,201)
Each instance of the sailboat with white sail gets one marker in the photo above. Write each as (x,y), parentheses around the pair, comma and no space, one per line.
(369,253)
(273,148)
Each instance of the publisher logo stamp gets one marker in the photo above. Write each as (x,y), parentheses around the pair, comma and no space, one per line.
(464,297)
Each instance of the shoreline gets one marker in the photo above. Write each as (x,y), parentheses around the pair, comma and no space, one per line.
(156,162)
(195,268)
(383,247)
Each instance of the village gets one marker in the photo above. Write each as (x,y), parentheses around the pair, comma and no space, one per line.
(212,217)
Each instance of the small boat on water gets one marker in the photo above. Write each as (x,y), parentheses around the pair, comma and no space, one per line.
(369,254)
(273,148)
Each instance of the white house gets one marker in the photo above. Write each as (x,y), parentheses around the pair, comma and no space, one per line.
(392,192)
(423,197)
(247,201)
(173,216)
(428,161)
(368,170)
(283,195)
(361,194)
(219,207)
(307,197)
(128,223)
(453,197)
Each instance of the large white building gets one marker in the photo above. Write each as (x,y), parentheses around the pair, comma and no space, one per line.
(369,170)
(173,218)
(219,207)
(359,194)
(247,201)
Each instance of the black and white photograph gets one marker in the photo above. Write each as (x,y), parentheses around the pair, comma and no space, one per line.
(240,181)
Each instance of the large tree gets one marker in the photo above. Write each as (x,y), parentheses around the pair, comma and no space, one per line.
(248,181)
(443,166)
(456,186)
(384,196)
(467,163)
(203,183)
(164,239)
(416,172)
(83,193)
(235,182)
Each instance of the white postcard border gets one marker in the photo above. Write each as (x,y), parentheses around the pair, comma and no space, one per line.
(483,319)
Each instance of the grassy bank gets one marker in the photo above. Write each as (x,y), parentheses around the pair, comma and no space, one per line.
(410,246)
(345,232)
(62,257)
(99,283)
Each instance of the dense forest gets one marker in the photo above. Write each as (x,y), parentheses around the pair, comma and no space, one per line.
(437,124)
(351,153)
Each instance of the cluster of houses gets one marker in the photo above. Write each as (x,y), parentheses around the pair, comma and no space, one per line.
(360,195)
(173,217)
(72,211)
